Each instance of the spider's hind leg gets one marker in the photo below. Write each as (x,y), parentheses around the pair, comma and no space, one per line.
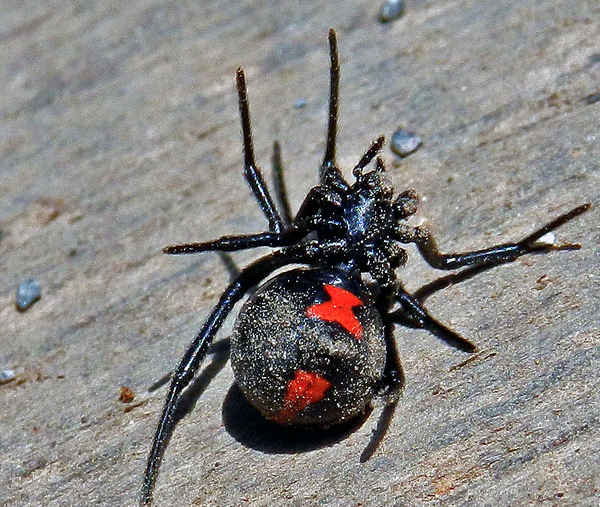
(196,352)
(393,379)
(390,390)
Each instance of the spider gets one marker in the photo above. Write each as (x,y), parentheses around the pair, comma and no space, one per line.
(313,346)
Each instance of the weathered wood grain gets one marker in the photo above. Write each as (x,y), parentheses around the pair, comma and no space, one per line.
(119,135)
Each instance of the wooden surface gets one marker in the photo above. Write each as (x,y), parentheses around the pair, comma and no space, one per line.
(120,135)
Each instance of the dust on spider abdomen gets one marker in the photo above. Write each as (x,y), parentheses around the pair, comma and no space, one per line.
(308,348)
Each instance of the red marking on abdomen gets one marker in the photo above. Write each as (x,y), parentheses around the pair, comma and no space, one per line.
(303,390)
(339,309)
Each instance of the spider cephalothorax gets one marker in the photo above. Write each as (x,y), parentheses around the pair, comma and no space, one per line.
(314,345)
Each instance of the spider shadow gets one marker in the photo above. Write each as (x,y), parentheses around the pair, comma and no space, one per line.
(446,281)
(244,423)
(220,355)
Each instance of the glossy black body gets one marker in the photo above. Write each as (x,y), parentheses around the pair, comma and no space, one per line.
(355,230)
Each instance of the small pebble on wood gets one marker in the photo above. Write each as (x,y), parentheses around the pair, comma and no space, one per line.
(404,142)
(6,376)
(391,10)
(126,394)
(28,292)
(300,103)
(592,98)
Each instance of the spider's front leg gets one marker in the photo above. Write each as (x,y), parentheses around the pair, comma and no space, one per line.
(498,254)
(236,243)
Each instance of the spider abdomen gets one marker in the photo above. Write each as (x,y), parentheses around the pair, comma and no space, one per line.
(308,348)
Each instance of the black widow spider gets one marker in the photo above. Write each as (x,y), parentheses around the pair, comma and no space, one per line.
(315,346)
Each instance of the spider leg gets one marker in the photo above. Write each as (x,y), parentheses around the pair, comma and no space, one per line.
(497,254)
(235,243)
(196,352)
(334,89)
(417,316)
(330,174)
(252,172)
(393,374)
(280,188)
(389,392)
(378,263)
